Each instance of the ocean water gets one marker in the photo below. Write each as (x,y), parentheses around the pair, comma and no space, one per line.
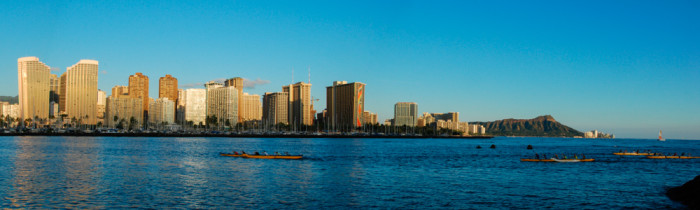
(124,172)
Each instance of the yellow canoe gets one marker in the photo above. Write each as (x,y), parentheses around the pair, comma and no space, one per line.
(289,157)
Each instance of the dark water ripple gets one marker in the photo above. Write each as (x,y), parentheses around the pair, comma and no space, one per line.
(101,172)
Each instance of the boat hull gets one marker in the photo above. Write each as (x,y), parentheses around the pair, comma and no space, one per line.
(288,157)
(572,160)
(633,153)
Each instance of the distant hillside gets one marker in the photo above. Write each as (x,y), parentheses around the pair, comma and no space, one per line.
(11,99)
(539,126)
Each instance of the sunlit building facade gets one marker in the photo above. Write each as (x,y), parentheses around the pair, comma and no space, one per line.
(405,113)
(299,103)
(251,108)
(81,91)
(101,105)
(167,87)
(275,107)
(138,88)
(122,110)
(345,103)
(33,88)
(120,91)
(192,106)
(161,111)
(222,104)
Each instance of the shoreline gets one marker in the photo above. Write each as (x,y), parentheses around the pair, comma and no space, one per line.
(243,135)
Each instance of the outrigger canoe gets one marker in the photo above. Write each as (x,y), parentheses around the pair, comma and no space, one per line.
(572,160)
(291,157)
(670,157)
(633,153)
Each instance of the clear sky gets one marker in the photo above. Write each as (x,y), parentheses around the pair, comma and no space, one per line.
(629,68)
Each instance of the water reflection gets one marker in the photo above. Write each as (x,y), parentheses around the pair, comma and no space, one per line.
(118,173)
(68,180)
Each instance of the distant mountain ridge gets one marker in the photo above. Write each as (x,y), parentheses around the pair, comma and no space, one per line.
(10,99)
(540,126)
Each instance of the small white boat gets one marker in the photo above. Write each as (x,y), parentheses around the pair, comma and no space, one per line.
(566,160)
(661,138)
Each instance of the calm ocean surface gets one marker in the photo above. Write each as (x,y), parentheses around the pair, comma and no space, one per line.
(121,172)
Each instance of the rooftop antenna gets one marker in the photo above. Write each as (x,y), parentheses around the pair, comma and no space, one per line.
(292,76)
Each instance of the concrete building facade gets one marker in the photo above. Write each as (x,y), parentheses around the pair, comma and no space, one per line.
(54,84)
(222,103)
(300,112)
(405,113)
(192,106)
(120,91)
(33,88)
(138,88)
(167,88)
(81,91)
(369,118)
(161,111)
(345,103)
(275,107)
(251,108)
(101,105)
(122,110)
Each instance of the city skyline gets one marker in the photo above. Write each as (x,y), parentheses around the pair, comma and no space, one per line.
(621,70)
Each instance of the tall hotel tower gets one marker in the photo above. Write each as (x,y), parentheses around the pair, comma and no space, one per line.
(81,91)
(138,88)
(275,107)
(405,113)
(299,103)
(33,85)
(345,103)
(237,82)
(167,88)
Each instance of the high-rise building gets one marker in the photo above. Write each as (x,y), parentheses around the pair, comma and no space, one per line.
(33,85)
(251,108)
(161,111)
(453,116)
(53,109)
(222,104)
(345,103)
(138,88)
(120,91)
(101,105)
(54,84)
(369,118)
(192,106)
(81,91)
(275,107)
(7,109)
(121,110)
(167,88)
(405,113)
(212,85)
(299,103)
(62,94)
(237,82)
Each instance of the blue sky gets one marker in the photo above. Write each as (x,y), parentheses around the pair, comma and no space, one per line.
(625,67)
